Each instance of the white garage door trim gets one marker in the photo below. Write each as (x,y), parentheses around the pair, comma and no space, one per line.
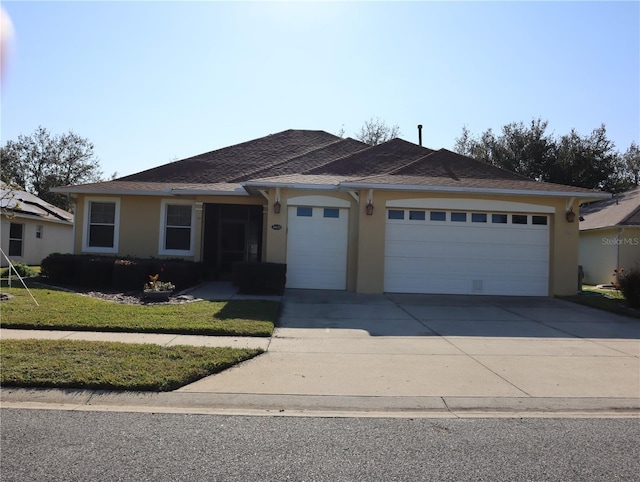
(465,252)
(317,239)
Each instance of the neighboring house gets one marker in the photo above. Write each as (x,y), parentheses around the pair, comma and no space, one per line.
(396,217)
(31,228)
(610,236)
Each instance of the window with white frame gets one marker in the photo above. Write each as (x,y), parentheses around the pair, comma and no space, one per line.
(38,231)
(16,236)
(101,230)
(177,229)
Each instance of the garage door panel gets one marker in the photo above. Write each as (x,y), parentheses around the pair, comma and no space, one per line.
(317,250)
(466,257)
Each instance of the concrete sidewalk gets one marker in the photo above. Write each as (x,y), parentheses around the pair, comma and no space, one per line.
(339,352)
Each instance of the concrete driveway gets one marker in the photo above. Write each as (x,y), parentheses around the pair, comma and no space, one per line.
(332,343)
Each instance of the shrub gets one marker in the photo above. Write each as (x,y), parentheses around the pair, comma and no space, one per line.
(257,278)
(95,272)
(630,287)
(22,269)
(59,268)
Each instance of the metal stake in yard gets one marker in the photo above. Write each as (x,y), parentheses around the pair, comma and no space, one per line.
(11,267)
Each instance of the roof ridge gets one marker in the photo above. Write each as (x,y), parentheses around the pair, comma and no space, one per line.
(289,159)
(324,164)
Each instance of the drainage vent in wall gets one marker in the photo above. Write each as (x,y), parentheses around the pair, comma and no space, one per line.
(476,286)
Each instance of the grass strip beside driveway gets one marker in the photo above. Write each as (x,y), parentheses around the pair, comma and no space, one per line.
(110,365)
(60,310)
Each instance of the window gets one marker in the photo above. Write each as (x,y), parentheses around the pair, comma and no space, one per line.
(540,220)
(519,219)
(304,212)
(459,217)
(499,218)
(177,228)
(417,215)
(101,228)
(438,216)
(331,213)
(396,214)
(16,232)
(478,218)
(38,231)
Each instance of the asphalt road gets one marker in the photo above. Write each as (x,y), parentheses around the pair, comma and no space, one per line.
(103,446)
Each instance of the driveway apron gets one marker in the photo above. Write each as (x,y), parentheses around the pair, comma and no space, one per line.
(348,344)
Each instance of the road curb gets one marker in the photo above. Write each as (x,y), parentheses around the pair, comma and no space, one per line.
(248,403)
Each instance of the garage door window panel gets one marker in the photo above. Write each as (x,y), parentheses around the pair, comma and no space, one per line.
(437,216)
(417,215)
(459,217)
(539,220)
(395,214)
(499,218)
(519,219)
(304,212)
(478,217)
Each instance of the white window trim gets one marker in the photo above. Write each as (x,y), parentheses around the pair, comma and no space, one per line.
(163,229)
(116,228)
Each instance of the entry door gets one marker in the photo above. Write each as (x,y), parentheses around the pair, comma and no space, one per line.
(317,247)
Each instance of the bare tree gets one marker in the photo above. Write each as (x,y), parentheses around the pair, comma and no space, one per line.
(376,131)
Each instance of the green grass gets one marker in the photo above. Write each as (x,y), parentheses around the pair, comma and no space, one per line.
(61,310)
(111,366)
(608,300)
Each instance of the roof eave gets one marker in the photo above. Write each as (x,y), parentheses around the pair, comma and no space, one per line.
(155,192)
(474,190)
(255,186)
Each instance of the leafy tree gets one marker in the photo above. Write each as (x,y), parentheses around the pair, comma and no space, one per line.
(41,161)
(585,161)
(631,164)
(376,131)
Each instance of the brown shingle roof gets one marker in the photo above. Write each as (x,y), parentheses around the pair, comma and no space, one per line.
(448,169)
(235,162)
(309,160)
(620,210)
(374,160)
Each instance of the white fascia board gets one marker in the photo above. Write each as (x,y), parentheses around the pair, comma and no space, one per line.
(34,217)
(472,190)
(607,228)
(205,192)
(167,192)
(112,192)
(288,185)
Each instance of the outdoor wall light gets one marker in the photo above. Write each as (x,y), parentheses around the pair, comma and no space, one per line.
(369,209)
(571,216)
(276,207)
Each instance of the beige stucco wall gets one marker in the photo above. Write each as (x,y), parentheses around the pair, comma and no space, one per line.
(603,250)
(367,238)
(275,240)
(139,227)
(56,238)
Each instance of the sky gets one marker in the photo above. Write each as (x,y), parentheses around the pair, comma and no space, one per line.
(152,82)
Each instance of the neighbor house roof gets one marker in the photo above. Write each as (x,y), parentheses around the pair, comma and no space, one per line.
(317,159)
(24,204)
(619,210)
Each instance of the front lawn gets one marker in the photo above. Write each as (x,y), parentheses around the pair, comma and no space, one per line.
(603,299)
(61,310)
(111,366)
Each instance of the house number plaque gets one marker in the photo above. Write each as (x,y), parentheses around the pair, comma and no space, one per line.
(277,227)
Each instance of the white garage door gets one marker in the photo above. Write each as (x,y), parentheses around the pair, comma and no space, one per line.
(464,252)
(317,247)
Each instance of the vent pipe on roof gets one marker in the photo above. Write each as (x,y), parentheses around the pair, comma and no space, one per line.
(420,134)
